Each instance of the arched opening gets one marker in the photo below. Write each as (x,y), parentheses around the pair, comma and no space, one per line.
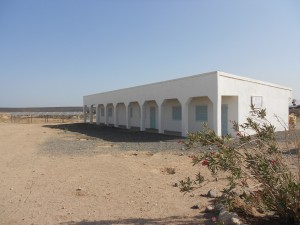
(134,115)
(171,116)
(121,115)
(110,115)
(151,116)
(200,113)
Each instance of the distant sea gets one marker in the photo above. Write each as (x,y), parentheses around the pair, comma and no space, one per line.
(44,109)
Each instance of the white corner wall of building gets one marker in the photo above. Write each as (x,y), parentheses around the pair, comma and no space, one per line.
(275,99)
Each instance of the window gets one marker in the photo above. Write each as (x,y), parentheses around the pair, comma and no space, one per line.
(102,111)
(257,101)
(176,112)
(131,112)
(201,113)
(109,112)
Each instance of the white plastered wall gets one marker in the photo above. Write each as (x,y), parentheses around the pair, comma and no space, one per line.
(110,118)
(275,98)
(168,123)
(232,102)
(134,121)
(198,125)
(102,117)
(121,114)
(181,89)
(214,85)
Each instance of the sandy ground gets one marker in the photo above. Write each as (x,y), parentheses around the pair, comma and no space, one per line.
(121,187)
(58,174)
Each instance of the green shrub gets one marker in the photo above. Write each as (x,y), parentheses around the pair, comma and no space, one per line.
(255,164)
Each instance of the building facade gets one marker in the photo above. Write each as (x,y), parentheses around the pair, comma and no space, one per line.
(183,105)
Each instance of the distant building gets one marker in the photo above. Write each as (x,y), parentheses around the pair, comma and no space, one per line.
(183,105)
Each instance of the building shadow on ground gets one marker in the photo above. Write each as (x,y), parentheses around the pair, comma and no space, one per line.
(113,134)
(201,219)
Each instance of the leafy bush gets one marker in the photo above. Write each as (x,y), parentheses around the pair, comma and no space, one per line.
(255,164)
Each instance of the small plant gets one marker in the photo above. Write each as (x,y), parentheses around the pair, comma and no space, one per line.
(255,164)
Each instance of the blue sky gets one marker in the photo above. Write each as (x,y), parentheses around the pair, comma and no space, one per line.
(54,52)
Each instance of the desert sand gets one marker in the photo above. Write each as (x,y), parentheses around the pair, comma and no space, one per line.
(104,186)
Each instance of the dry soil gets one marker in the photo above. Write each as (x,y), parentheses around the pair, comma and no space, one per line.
(43,181)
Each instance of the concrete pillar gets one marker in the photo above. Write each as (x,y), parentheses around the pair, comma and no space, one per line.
(217,103)
(91,114)
(184,117)
(160,108)
(98,115)
(127,115)
(84,113)
(106,115)
(142,118)
(115,114)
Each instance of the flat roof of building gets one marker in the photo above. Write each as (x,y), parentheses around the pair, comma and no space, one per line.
(219,73)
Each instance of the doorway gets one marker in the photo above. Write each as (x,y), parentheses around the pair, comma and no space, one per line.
(224,119)
(152,118)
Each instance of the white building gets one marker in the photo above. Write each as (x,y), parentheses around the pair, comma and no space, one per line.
(183,105)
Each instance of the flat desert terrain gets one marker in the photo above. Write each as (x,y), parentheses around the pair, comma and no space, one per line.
(65,174)
(81,174)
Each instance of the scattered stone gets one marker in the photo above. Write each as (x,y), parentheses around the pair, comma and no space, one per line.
(210,208)
(80,192)
(270,213)
(175,185)
(192,195)
(168,170)
(238,191)
(213,194)
(229,218)
(195,207)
